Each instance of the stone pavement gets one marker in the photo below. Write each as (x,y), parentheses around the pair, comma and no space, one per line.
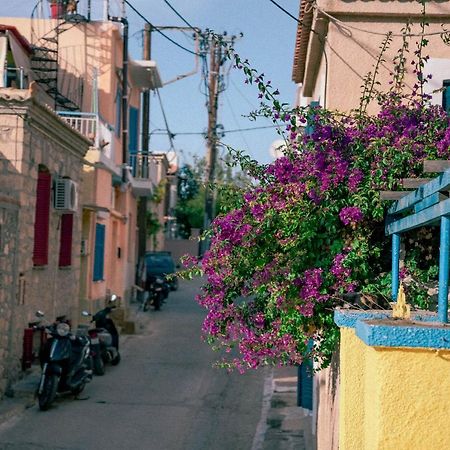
(283,425)
(287,427)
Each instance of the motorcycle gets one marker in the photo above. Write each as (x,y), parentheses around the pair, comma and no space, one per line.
(65,363)
(104,339)
(155,293)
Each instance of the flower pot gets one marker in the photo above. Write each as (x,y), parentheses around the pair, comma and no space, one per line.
(56,10)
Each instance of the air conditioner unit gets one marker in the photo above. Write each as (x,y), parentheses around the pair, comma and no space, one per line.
(66,195)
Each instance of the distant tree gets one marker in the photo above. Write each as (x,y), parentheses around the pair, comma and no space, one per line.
(190,208)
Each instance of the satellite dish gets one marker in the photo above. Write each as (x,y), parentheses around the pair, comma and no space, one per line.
(277,149)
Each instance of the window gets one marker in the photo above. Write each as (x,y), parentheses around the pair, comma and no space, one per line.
(446,95)
(42,218)
(99,255)
(65,247)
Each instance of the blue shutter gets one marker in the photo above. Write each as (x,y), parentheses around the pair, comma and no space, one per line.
(133,131)
(446,96)
(99,254)
(305,385)
(310,121)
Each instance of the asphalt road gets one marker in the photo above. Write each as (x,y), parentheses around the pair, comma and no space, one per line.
(164,395)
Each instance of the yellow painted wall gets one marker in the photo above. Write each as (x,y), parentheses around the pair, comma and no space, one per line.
(393,398)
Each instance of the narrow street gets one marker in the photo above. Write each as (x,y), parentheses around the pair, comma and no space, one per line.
(163,396)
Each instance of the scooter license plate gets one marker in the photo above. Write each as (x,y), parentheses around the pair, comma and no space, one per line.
(95,341)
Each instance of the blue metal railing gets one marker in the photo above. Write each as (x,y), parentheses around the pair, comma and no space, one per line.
(14,77)
(423,207)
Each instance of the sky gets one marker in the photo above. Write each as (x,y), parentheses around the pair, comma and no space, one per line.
(268,43)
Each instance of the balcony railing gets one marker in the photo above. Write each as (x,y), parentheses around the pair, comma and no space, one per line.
(85,123)
(14,77)
(140,165)
(94,128)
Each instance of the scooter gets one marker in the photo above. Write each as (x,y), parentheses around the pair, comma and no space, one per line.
(155,293)
(108,338)
(65,362)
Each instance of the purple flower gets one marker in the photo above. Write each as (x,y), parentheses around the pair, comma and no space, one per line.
(350,214)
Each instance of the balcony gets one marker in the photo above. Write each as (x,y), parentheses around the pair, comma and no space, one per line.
(98,131)
(14,77)
(140,171)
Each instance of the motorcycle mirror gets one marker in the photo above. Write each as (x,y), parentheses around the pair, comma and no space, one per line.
(113,298)
(39,314)
(85,314)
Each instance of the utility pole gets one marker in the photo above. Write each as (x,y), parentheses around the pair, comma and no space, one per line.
(211,150)
(142,205)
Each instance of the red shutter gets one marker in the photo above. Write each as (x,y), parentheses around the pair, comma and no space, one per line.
(65,247)
(42,218)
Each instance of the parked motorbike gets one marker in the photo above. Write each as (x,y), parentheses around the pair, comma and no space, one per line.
(65,363)
(155,293)
(104,339)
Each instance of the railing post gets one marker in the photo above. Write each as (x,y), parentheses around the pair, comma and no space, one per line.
(21,78)
(443,269)
(5,74)
(395,265)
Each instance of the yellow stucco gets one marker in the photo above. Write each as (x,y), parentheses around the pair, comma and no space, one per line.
(393,398)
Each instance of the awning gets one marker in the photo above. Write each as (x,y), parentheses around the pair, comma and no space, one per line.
(145,74)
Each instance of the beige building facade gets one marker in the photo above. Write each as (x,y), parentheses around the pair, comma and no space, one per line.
(39,264)
(337,44)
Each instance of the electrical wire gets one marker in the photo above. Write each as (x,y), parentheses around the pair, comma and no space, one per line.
(159,31)
(203,133)
(321,39)
(236,121)
(169,133)
(196,30)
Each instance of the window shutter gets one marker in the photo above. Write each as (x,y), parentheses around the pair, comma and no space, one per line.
(42,219)
(446,96)
(65,247)
(99,255)
(133,131)
(305,385)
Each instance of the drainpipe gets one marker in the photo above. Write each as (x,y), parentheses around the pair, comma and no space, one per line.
(124,22)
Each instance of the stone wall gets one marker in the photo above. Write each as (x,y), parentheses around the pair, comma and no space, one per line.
(32,136)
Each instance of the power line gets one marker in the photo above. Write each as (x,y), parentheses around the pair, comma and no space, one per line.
(236,121)
(321,39)
(169,133)
(196,30)
(203,133)
(159,31)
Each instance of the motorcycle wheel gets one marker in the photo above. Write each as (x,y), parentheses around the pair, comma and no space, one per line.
(145,301)
(79,389)
(116,360)
(98,366)
(157,302)
(46,397)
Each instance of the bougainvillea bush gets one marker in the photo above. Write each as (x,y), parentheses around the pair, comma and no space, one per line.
(311,228)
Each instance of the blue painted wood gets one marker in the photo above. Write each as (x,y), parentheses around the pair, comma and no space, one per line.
(395,265)
(133,130)
(443,269)
(440,183)
(310,121)
(433,199)
(305,385)
(99,254)
(425,217)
